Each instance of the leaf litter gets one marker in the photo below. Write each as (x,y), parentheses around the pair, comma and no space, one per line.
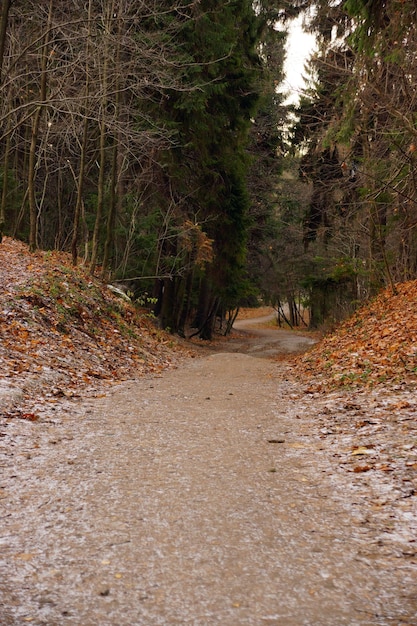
(359,384)
(64,333)
(376,346)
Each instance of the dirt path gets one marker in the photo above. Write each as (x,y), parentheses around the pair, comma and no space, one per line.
(257,339)
(205,496)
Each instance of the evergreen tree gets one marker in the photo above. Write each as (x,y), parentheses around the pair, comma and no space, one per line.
(357,135)
(207,169)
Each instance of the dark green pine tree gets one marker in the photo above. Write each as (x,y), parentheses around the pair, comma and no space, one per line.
(267,149)
(207,169)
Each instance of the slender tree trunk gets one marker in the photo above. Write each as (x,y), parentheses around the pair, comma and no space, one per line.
(231,320)
(79,200)
(100,196)
(186,305)
(3,33)
(102,157)
(83,158)
(111,217)
(5,190)
(33,213)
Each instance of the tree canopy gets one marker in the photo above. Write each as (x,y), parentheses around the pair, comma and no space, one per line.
(356,136)
(125,129)
(151,140)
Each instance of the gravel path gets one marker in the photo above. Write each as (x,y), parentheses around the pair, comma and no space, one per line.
(200,497)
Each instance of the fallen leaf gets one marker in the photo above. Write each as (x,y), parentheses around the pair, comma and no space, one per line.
(25,556)
(362,450)
(403,404)
(385,468)
(361,468)
(32,417)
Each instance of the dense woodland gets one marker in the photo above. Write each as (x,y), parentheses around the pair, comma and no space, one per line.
(152,141)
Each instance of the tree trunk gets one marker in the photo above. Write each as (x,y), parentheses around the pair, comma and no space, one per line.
(186,305)
(102,157)
(100,197)
(167,314)
(33,213)
(83,158)
(111,217)
(207,329)
(4,191)
(206,312)
(3,33)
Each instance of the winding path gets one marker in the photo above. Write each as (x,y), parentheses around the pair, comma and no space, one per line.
(265,342)
(200,497)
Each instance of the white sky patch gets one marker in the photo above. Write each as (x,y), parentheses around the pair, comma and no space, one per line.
(299,47)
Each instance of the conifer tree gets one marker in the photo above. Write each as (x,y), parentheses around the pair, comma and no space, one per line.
(357,125)
(212,118)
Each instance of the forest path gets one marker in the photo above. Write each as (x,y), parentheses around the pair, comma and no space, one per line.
(259,339)
(203,496)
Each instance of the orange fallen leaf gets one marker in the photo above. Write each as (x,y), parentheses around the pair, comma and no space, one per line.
(25,556)
(403,404)
(32,417)
(361,468)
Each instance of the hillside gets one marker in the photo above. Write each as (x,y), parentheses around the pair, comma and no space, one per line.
(377,345)
(63,332)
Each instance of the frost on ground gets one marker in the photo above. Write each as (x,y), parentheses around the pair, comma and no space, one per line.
(221,489)
(217,493)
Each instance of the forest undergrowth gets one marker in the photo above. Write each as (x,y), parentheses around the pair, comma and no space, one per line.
(64,333)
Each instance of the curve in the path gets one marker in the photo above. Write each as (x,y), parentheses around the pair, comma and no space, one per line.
(267,342)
